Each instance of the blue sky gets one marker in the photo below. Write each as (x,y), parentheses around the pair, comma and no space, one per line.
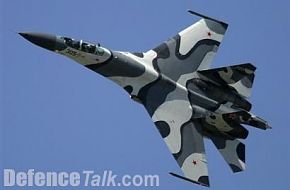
(58,116)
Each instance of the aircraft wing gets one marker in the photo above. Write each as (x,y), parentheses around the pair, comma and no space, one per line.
(191,49)
(171,112)
(185,142)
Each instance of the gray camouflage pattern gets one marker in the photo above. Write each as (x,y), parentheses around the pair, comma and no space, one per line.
(186,100)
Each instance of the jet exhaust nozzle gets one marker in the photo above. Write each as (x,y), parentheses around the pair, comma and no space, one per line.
(257,122)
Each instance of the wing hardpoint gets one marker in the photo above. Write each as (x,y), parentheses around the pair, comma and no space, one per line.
(167,98)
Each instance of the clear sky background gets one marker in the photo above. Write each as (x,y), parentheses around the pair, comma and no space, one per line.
(58,116)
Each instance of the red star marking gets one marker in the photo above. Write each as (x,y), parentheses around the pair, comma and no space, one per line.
(209,34)
(194,162)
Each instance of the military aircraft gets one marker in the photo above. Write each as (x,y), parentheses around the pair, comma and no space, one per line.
(186,100)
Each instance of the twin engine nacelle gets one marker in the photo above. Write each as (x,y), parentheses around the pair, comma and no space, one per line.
(221,94)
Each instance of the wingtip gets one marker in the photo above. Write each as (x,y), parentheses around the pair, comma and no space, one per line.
(203,180)
(207,17)
(21,33)
(236,169)
(193,12)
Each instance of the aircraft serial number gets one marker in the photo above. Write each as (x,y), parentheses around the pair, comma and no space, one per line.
(72,53)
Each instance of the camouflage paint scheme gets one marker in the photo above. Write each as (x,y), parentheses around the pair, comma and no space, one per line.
(186,99)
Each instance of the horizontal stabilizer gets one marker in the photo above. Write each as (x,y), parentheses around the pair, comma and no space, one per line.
(233,152)
(240,77)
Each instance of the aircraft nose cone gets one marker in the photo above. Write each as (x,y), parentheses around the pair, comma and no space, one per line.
(46,41)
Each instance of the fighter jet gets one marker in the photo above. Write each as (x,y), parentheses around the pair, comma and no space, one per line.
(186,99)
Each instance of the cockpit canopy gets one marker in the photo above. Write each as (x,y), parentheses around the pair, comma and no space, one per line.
(83,46)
